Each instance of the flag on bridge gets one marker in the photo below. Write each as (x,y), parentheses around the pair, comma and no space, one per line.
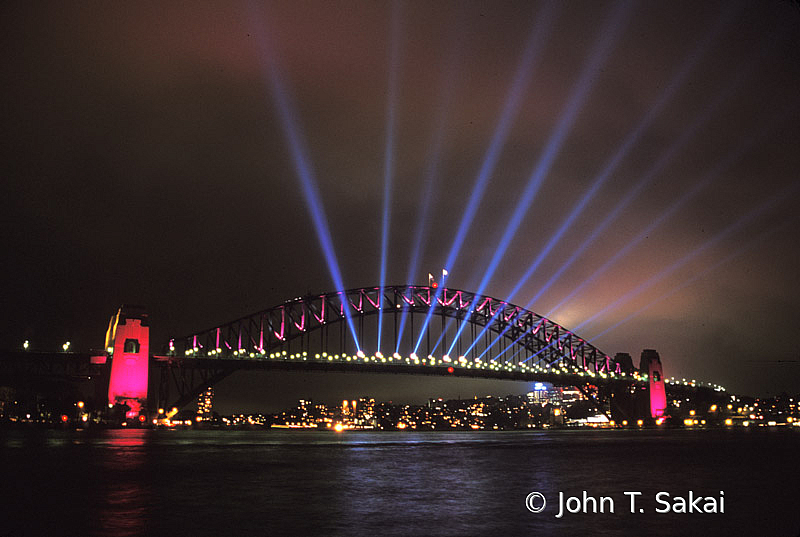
(431,282)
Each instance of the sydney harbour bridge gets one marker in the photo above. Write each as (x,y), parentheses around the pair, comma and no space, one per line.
(418,325)
(403,329)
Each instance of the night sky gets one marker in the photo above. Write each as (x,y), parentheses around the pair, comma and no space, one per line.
(146,161)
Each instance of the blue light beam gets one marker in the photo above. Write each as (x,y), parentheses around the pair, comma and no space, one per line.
(664,160)
(299,153)
(525,69)
(722,165)
(431,173)
(607,36)
(719,169)
(676,83)
(388,163)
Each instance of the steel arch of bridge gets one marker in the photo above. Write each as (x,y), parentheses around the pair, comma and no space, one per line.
(544,342)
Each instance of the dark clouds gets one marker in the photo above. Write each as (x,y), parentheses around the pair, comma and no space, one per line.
(144,162)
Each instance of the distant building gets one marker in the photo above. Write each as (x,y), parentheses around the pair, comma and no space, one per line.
(544,393)
(365,412)
(205,404)
(570,395)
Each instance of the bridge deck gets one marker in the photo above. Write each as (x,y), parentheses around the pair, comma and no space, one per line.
(373,364)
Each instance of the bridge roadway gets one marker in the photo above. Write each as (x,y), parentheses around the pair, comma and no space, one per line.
(564,375)
(68,365)
(81,366)
(16,366)
(190,374)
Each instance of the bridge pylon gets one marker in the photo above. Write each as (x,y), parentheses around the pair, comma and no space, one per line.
(650,364)
(128,341)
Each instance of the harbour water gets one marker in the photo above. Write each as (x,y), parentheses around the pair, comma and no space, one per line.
(172,482)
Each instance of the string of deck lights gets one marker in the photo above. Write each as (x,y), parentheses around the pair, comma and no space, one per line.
(444,361)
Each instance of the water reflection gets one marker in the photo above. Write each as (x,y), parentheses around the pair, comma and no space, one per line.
(447,481)
(124,500)
(139,482)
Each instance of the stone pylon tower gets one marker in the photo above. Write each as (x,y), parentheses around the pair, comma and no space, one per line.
(128,341)
(650,364)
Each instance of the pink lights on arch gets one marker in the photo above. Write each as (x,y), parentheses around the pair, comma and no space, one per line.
(360,307)
(321,317)
(280,335)
(265,329)
(425,298)
(486,301)
(301,325)
(376,303)
(443,300)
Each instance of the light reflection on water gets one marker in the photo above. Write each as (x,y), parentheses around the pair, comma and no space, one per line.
(123,506)
(141,482)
